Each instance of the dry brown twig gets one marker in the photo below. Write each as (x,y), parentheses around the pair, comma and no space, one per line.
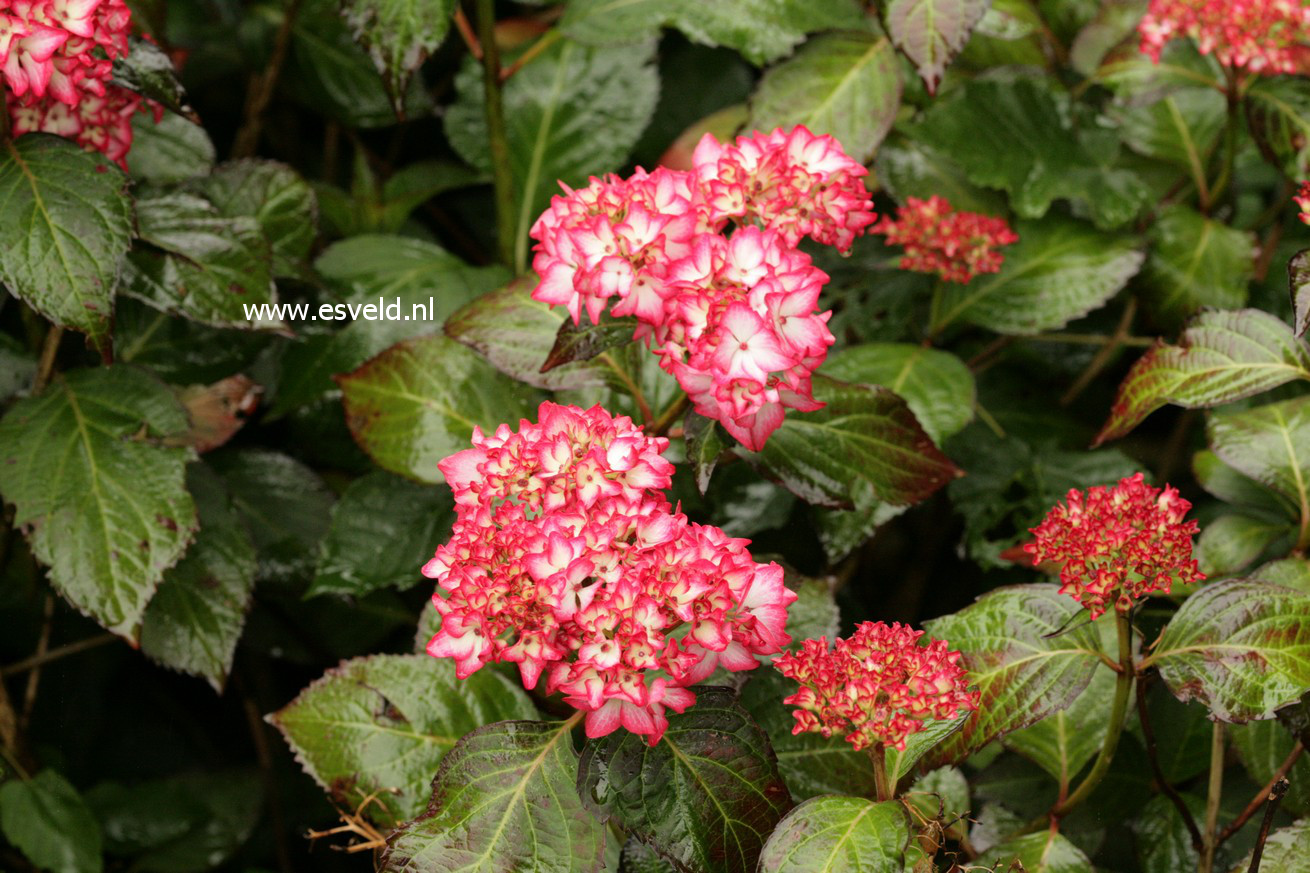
(354,823)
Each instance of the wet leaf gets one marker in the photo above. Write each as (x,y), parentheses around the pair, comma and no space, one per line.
(838,835)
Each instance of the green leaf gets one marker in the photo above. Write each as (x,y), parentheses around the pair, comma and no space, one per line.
(104,505)
(203,265)
(46,819)
(1241,647)
(1183,735)
(1058,271)
(936,385)
(65,225)
(906,168)
(1023,672)
(901,762)
(706,796)
(838,835)
(1278,112)
(704,446)
(1298,285)
(574,112)
(399,35)
(865,443)
(1163,842)
(1045,852)
(1286,849)
(168,151)
(1242,492)
(384,529)
(17,367)
(1194,262)
(932,32)
(1289,572)
(1221,357)
(1181,127)
(504,799)
(847,85)
(1270,444)
(385,722)
(585,340)
(1019,135)
(419,401)
(1231,542)
(1263,747)
(276,197)
(147,70)
(516,334)
(194,620)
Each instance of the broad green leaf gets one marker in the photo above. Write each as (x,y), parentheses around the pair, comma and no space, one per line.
(586,340)
(1298,286)
(1058,271)
(1018,135)
(1045,852)
(906,168)
(1238,489)
(201,264)
(847,85)
(276,197)
(147,70)
(1241,647)
(706,796)
(1194,262)
(936,385)
(1024,671)
(504,799)
(1290,572)
(814,613)
(1264,747)
(1183,735)
(65,225)
(1287,850)
(178,350)
(1163,842)
(385,722)
(838,835)
(1220,357)
(384,529)
(932,32)
(901,763)
(419,401)
(1278,112)
(399,35)
(574,112)
(168,151)
(1231,542)
(104,505)
(46,819)
(194,620)
(865,443)
(1270,444)
(1182,127)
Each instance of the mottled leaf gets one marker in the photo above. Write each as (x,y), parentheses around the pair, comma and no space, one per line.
(168,151)
(276,197)
(399,35)
(932,32)
(1231,542)
(1287,850)
(586,340)
(1263,747)
(147,70)
(1298,286)
(838,835)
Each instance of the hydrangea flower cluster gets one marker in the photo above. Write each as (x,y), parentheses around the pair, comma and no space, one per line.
(1118,544)
(877,687)
(98,124)
(955,245)
(1262,36)
(567,560)
(1302,199)
(706,260)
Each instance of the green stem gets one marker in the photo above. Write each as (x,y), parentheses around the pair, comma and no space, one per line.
(1122,686)
(497,138)
(882,785)
(669,416)
(1212,799)
(629,383)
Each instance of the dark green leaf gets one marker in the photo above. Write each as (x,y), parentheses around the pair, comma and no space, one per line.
(906,168)
(1221,357)
(1194,262)
(1183,735)
(385,722)
(194,620)
(46,819)
(838,835)
(65,225)
(504,799)
(17,367)
(1298,285)
(865,443)
(103,504)
(1278,111)
(1241,491)
(276,197)
(1045,852)
(1231,542)
(398,34)
(1163,842)
(1058,271)
(147,70)
(585,340)
(706,796)
(179,350)
(1023,673)
(704,445)
(936,385)
(419,401)
(1264,746)
(383,530)
(847,85)
(932,32)
(1270,444)
(168,151)
(1240,647)
(1182,127)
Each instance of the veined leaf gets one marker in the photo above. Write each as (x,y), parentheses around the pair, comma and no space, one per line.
(1270,444)
(148,70)
(936,385)
(276,197)
(1278,111)
(1221,357)
(170,150)
(1232,541)
(586,340)
(932,32)
(1285,849)
(1045,852)
(398,35)
(1298,286)
(1263,746)
(1194,262)
(839,835)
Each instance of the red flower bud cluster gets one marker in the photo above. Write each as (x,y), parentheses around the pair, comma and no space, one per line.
(567,560)
(1263,36)
(1302,199)
(955,245)
(1118,544)
(707,262)
(98,124)
(877,687)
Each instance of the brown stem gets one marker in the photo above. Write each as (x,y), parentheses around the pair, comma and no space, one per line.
(56,653)
(262,87)
(264,754)
(1262,795)
(881,783)
(545,41)
(1153,755)
(1103,356)
(49,351)
(669,416)
(497,135)
(34,677)
(466,33)
(1275,795)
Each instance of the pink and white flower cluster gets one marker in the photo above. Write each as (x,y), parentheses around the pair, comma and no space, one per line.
(566,559)
(1262,36)
(98,124)
(707,261)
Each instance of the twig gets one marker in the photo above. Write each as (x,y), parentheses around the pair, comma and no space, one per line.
(34,677)
(1153,755)
(1210,841)
(259,736)
(497,137)
(466,33)
(545,41)
(1262,795)
(984,358)
(49,351)
(669,416)
(262,87)
(56,653)
(355,824)
(1275,795)
(1103,355)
